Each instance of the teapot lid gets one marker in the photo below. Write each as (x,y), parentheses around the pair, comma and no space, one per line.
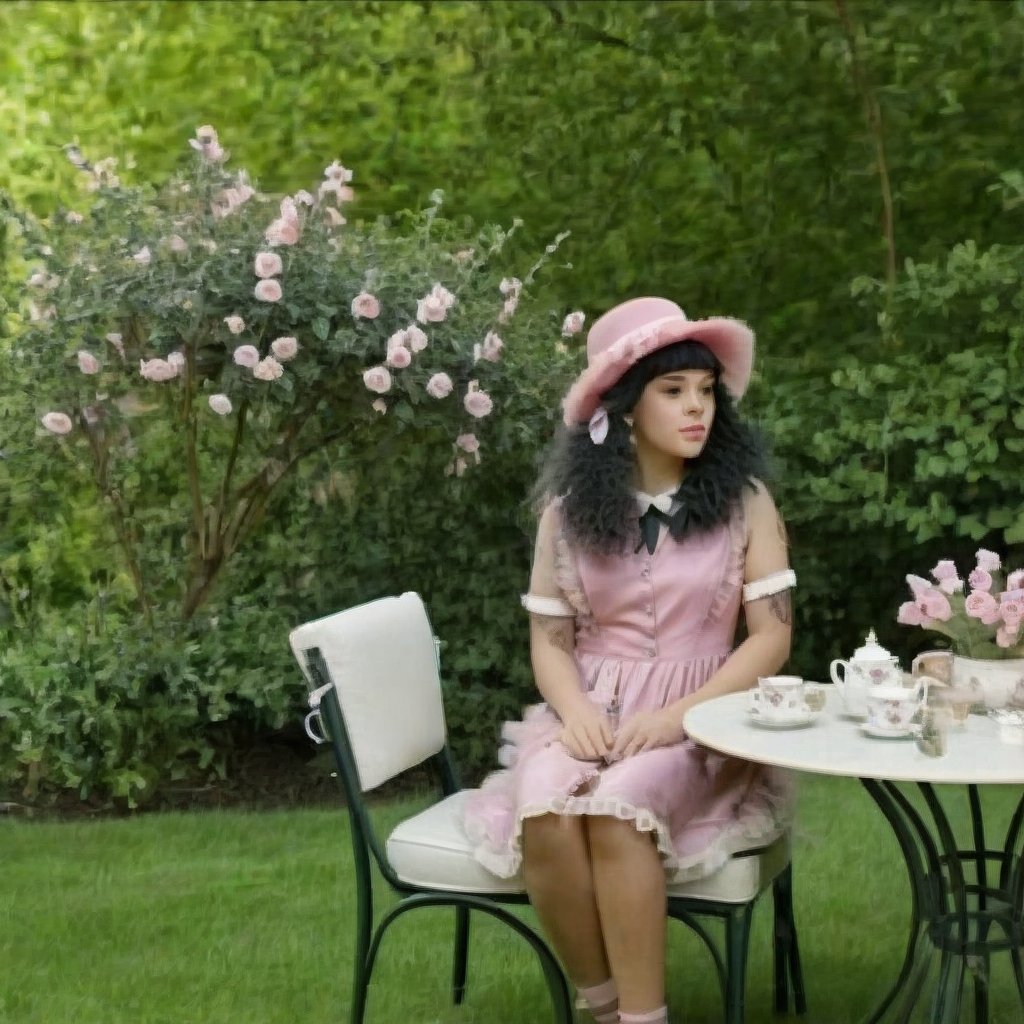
(872,650)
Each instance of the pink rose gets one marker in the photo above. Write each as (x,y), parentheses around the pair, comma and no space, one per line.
(944,570)
(268,290)
(981,605)
(365,305)
(1015,581)
(220,404)
(336,172)
(57,423)
(400,339)
(88,363)
(268,264)
(115,339)
(342,193)
(157,370)
(304,197)
(333,217)
(477,403)
(267,369)
(247,356)
(492,347)
(918,586)
(440,386)
(379,405)
(468,443)
(987,560)
(1012,612)
(510,287)
(235,324)
(143,257)
(951,585)
(1006,636)
(399,357)
(431,310)
(415,338)
(910,615)
(377,379)
(979,579)
(282,232)
(508,309)
(573,324)
(284,348)
(936,606)
(177,244)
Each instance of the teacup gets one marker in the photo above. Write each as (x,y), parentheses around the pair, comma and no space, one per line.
(892,708)
(778,698)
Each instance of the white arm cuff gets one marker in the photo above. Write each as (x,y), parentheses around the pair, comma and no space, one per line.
(554,606)
(768,585)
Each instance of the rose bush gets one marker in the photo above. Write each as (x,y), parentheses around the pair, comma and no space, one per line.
(180,353)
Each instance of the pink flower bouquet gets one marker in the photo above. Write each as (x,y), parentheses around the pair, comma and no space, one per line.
(982,616)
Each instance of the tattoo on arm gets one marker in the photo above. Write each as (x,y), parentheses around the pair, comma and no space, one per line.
(781,607)
(560,635)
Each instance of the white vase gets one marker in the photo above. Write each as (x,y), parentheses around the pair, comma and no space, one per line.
(996,682)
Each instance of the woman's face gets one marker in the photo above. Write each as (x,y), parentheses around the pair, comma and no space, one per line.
(673,417)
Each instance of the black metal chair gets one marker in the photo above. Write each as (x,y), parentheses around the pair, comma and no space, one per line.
(377,698)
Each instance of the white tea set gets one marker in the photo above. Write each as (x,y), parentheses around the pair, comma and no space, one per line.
(785,702)
(871,687)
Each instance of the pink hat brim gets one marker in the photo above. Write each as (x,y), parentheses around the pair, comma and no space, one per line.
(731,341)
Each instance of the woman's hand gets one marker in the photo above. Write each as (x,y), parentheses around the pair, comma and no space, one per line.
(649,729)
(586,733)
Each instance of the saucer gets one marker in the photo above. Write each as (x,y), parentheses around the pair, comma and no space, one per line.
(886,734)
(795,722)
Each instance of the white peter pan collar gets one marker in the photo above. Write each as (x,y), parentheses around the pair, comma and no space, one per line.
(664,502)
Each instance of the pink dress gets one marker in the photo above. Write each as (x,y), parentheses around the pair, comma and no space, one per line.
(650,629)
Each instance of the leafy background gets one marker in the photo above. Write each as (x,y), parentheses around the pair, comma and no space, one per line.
(844,175)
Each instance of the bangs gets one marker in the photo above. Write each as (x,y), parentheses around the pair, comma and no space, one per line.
(680,355)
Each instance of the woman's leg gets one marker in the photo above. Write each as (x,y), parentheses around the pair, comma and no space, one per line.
(630,884)
(556,861)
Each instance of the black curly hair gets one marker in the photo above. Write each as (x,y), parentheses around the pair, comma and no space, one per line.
(596,482)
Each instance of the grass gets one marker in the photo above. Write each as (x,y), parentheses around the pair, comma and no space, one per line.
(245,918)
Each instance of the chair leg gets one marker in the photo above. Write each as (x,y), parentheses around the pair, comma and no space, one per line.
(786,947)
(461,951)
(364,928)
(737,942)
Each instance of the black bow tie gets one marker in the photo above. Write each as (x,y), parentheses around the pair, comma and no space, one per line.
(650,523)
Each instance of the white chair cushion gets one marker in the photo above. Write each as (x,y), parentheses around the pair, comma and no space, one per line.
(383,664)
(431,850)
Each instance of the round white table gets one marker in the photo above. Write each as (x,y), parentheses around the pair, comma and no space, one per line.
(967,899)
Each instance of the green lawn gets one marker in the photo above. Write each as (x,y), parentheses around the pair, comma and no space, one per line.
(231,918)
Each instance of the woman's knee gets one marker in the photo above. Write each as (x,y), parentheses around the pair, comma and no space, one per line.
(613,837)
(552,838)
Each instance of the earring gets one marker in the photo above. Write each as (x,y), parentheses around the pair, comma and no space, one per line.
(628,420)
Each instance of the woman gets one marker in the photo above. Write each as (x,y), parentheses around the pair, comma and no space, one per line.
(656,528)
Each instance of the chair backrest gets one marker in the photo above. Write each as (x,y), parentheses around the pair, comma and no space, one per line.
(383,665)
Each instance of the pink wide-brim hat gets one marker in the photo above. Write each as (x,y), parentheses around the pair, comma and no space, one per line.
(634,329)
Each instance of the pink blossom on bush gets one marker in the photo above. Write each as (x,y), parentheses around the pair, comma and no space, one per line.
(235,324)
(220,404)
(268,264)
(1015,581)
(333,217)
(979,579)
(282,232)
(115,339)
(268,290)
(336,172)
(430,310)
(477,403)
(911,615)
(177,244)
(987,560)
(40,314)
(177,359)
(304,197)
(492,347)
(918,586)
(57,422)
(1012,612)
(457,466)
(247,355)
(951,585)
(158,370)
(267,369)
(415,338)
(143,257)
(936,606)
(508,309)
(399,357)
(510,287)
(365,305)
(379,405)
(207,144)
(440,386)
(377,379)
(342,193)
(284,348)
(468,443)
(945,569)
(88,363)
(573,324)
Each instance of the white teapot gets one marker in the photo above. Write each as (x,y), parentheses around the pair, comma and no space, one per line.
(871,665)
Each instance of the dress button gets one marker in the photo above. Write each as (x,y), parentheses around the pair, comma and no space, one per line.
(648,610)
(651,652)
(645,571)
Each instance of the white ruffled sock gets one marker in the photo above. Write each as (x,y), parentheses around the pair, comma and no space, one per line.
(659,1016)
(602,1001)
